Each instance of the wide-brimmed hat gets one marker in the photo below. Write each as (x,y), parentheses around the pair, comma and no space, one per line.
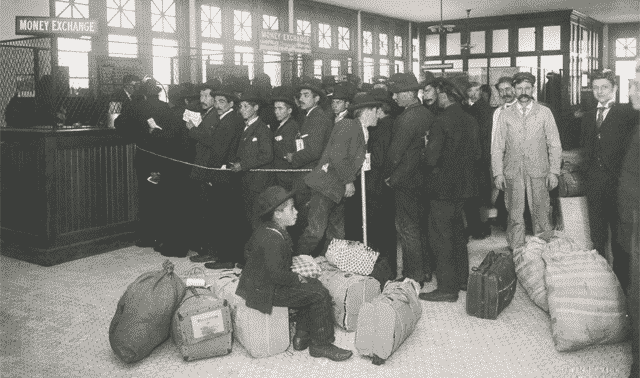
(524,76)
(270,199)
(429,77)
(382,95)
(253,95)
(312,84)
(364,100)
(227,91)
(212,84)
(403,82)
(284,94)
(344,91)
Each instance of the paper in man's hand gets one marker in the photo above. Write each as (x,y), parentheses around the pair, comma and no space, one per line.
(194,117)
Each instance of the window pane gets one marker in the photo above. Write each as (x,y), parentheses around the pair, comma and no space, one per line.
(368,69)
(399,66)
(212,53)
(551,63)
(123,45)
(627,71)
(367,42)
(383,45)
(163,16)
(457,64)
(241,25)
(397,45)
(303,27)
(416,67)
(165,63)
(477,41)
(344,41)
(433,44)
(526,39)
(335,67)
(453,44)
(500,62)
(526,63)
(324,36)
(244,57)
(72,9)
(475,63)
(273,67)
(211,21)
(121,13)
(626,48)
(551,38)
(477,68)
(384,67)
(317,68)
(501,40)
(270,22)
(78,63)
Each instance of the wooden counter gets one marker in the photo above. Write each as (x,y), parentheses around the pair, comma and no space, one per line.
(66,194)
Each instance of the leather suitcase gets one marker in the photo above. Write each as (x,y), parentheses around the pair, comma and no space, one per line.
(201,327)
(571,184)
(388,320)
(491,286)
(349,292)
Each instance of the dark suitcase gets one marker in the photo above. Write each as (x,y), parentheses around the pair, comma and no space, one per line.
(491,286)
(571,184)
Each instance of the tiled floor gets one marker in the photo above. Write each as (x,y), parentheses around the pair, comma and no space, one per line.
(54,323)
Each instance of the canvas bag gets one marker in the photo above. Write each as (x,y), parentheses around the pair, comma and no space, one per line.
(352,256)
(143,317)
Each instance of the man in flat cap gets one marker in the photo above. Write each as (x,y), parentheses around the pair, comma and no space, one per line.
(526,160)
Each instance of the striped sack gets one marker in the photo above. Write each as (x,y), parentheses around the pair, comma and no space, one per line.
(586,303)
(530,270)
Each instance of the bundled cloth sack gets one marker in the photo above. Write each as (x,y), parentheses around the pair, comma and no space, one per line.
(349,292)
(351,256)
(143,317)
(201,327)
(305,266)
(586,303)
(491,286)
(386,322)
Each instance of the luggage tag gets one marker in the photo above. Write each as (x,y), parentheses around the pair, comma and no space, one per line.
(366,166)
(300,142)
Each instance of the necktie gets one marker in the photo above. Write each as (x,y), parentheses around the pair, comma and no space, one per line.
(600,117)
(524,111)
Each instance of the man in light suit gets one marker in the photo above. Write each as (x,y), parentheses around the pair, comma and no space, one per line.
(525,158)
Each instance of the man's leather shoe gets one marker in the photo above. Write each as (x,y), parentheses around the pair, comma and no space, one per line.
(439,296)
(330,351)
(202,258)
(301,340)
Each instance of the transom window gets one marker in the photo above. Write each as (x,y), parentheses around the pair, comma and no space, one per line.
(384,67)
(397,45)
(626,47)
(241,25)
(367,42)
(324,36)
(163,16)
(121,13)
(303,27)
(211,21)
(72,8)
(344,41)
(270,22)
(383,45)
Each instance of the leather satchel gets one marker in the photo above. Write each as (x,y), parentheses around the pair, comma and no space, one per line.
(491,286)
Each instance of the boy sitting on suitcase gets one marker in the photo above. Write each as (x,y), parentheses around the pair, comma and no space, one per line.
(267,279)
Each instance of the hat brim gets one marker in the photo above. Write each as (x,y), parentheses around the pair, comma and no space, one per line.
(370,104)
(316,90)
(230,95)
(283,99)
(280,202)
(396,89)
(256,100)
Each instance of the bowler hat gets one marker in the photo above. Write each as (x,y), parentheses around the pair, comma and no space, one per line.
(403,82)
(227,91)
(270,199)
(253,95)
(364,100)
(380,94)
(284,94)
(212,84)
(520,76)
(312,84)
(344,91)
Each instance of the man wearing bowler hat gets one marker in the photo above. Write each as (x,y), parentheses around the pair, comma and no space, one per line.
(525,160)
(402,172)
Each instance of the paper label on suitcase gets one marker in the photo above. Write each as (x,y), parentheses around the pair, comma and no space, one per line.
(208,323)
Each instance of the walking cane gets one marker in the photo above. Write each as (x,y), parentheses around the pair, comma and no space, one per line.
(364,205)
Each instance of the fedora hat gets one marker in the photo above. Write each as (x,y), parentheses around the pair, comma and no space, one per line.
(284,94)
(344,91)
(253,95)
(382,95)
(403,82)
(270,199)
(227,91)
(364,100)
(312,84)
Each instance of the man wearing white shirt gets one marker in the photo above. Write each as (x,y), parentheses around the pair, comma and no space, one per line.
(526,158)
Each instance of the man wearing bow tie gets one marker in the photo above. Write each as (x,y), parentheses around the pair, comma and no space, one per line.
(606,131)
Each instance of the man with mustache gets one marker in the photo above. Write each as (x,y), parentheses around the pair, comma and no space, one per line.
(525,158)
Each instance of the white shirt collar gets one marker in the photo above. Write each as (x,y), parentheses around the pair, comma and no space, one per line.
(509,104)
(284,121)
(341,115)
(310,110)
(528,107)
(225,113)
(607,104)
(250,122)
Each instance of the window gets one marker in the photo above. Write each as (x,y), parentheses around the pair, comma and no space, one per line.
(501,41)
(626,48)
(476,69)
(453,44)
(324,36)
(303,27)
(433,62)
(73,53)
(551,38)
(121,13)
(368,69)
(273,67)
(123,45)
(457,65)
(500,62)
(211,54)
(72,8)
(244,57)
(399,66)
(344,40)
(165,62)
(270,22)
(626,69)
(367,42)
(241,25)
(551,63)
(335,67)
(416,67)
(299,67)
(477,42)
(432,43)
(384,67)
(525,63)
(397,46)
(317,68)
(383,44)
(163,16)
(210,21)
(527,39)
(349,65)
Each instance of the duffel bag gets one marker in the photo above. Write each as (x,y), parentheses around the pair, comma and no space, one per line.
(201,327)
(530,270)
(386,322)
(351,256)
(491,286)
(143,318)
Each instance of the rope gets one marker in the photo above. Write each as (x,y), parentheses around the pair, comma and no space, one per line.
(223,169)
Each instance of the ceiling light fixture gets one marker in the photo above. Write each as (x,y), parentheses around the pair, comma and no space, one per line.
(468,45)
(441,28)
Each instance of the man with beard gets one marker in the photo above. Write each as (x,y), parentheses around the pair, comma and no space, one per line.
(526,160)
(606,131)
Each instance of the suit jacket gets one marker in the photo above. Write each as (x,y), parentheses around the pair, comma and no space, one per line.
(614,134)
(284,141)
(255,151)
(378,147)
(268,255)
(526,145)
(315,132)
(402,166)
(121,96)
(340,161)
(217,142)
(483,114)
(451,155)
